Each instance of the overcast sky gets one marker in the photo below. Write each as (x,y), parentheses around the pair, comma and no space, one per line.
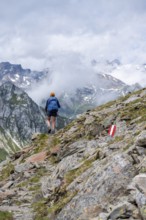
(56,33)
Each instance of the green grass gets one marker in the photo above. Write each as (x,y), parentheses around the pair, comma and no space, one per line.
(42,210)
(34,188)
(40,143)
(55,141)
(58,206)
(3,154)
(73,174)
(129,142)
(104,106)
(33,180)
(4,215)
(143,170)
(134,113)
(117,139)
(7,170)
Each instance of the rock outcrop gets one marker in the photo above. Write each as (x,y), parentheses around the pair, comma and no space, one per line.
(20,117)
(22,78)
(81,172)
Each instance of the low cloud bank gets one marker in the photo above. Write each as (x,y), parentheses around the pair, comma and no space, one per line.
(71,71)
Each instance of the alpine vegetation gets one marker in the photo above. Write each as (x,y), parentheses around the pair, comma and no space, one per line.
(83,171)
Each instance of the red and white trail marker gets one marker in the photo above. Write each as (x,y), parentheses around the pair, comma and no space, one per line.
(112,130)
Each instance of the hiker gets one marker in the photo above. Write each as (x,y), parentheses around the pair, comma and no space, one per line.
(52,106)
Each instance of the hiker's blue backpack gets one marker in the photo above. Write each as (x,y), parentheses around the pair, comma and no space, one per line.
(52,104)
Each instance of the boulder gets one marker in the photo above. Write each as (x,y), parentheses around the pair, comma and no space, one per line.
(106,182)
(138,190)
(37,157)
(123,211)
(141,139)
(24,167)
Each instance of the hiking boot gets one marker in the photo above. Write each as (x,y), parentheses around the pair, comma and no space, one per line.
(49,130)
(53,132)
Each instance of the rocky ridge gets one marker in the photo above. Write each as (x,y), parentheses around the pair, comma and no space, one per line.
(22,78)
(20,117)
(81,172)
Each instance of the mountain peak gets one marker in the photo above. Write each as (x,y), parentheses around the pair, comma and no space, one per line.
(17,75)
(8,66)
(20,118)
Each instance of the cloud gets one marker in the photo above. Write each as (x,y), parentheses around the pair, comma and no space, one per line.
(70,33)
(131,74)
(67,73)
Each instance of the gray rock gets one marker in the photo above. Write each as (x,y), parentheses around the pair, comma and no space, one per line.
(72,130)
(77,146)
(8,185)
(143,93)
(140,151)
(141,139)
(108,121)
(103,186)
(23,167)
(34,136)
(89,120)
(50,186)
(138,190)
(20,213)
(81,209)
(20,118)
(102,216)
(132,99)
(123,211)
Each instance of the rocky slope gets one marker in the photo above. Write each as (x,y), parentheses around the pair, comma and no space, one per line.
(81,172)
(20,117)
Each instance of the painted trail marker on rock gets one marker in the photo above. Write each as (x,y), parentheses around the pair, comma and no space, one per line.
(112,130)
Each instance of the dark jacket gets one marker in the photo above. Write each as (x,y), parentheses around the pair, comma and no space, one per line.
(52,104)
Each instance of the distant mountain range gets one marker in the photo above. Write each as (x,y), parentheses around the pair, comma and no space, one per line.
(104,88)
(22,78)
(99,90)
